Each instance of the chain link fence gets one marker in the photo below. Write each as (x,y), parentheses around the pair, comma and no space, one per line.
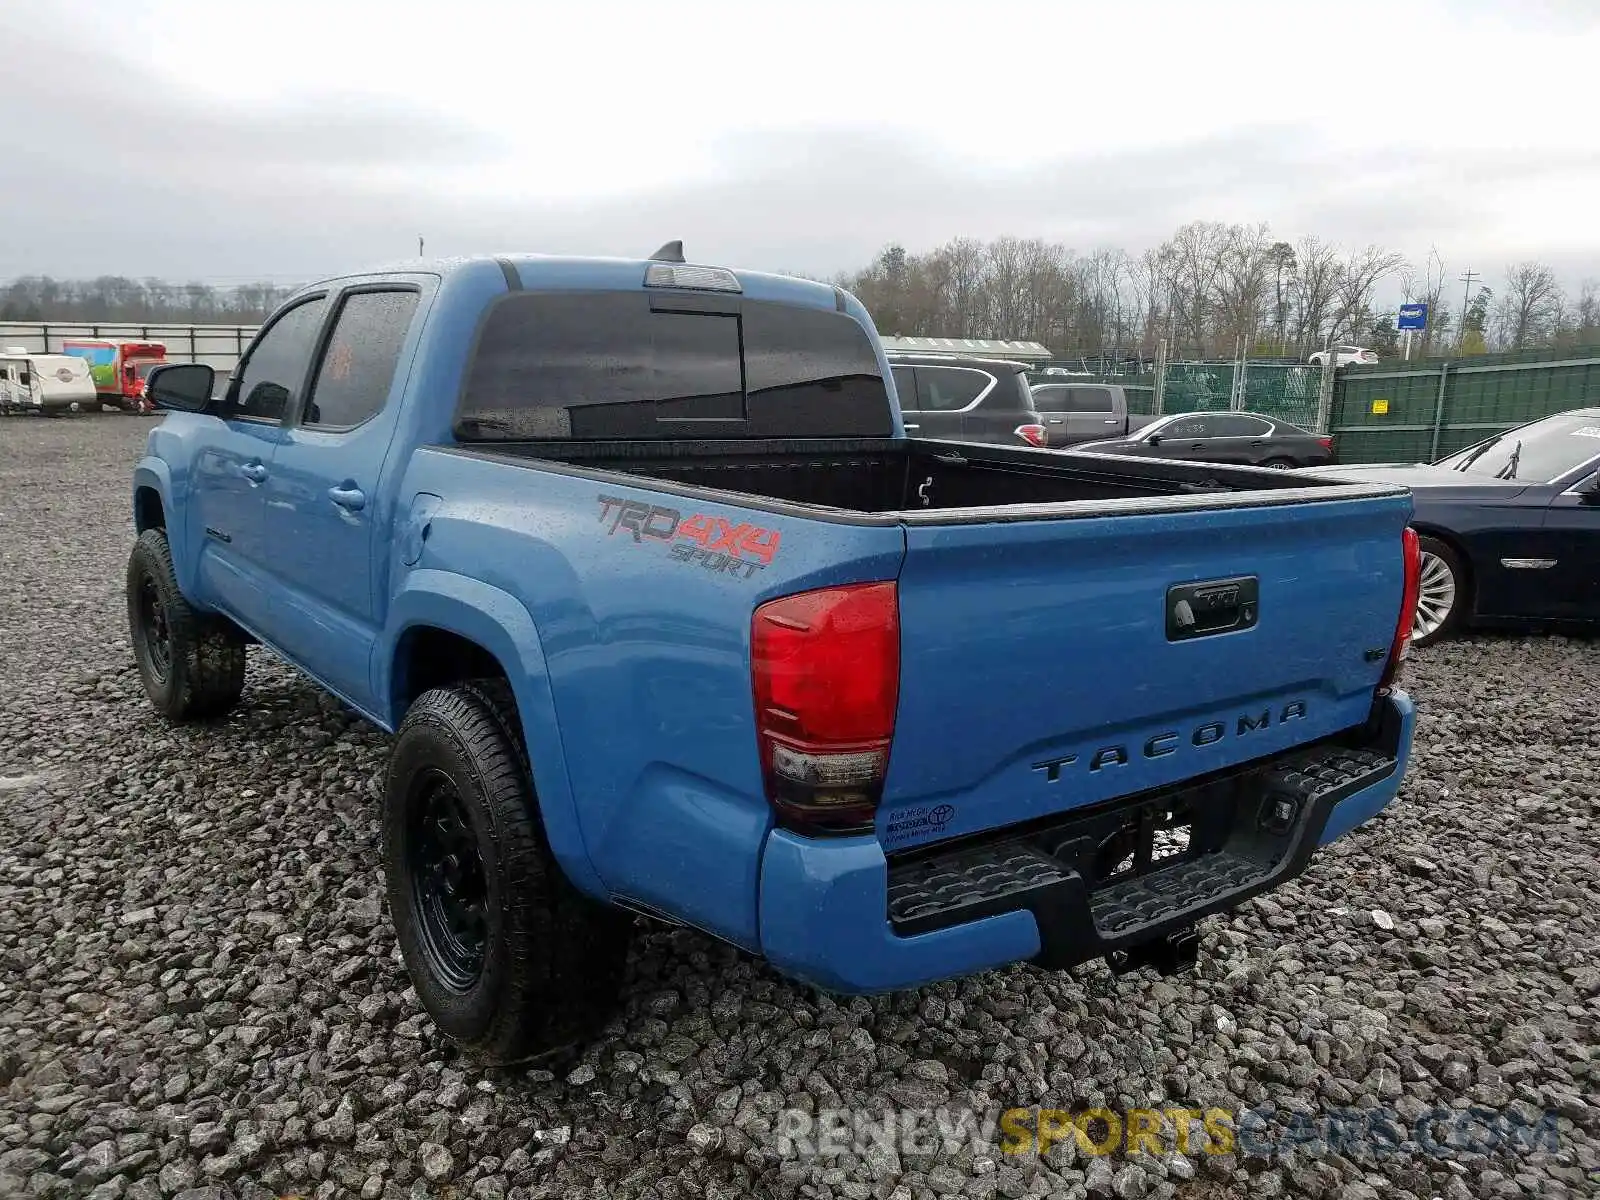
(1287,391)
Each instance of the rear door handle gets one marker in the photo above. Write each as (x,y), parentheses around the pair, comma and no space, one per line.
(347,495)
(1109,421)
(254,472)
(913,426)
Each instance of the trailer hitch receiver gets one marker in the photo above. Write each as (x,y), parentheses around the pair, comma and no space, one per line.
(1170,955)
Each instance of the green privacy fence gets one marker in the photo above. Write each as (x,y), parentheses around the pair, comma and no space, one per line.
(1423,414)
(1385,414)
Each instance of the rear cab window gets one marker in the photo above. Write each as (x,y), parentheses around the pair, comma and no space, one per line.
(1092,399)
(1051,398)
(632,365)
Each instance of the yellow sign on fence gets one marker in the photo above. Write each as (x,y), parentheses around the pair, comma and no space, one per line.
(1379,407)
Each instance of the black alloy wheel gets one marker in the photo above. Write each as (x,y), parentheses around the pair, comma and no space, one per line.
(449,886)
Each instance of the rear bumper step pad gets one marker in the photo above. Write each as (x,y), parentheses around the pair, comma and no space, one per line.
(1097,882)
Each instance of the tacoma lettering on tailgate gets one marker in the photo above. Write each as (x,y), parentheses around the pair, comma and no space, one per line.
(710,542)
(1160,745)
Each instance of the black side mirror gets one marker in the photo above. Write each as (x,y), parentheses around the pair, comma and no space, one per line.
(181,387)
(1590,491)
(1154,439)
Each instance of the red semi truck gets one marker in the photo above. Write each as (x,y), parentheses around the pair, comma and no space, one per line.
(119,368)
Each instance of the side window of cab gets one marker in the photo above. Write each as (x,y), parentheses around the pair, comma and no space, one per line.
(270,380)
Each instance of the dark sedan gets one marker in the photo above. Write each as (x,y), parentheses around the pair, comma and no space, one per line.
(1223,437)
(1509,528)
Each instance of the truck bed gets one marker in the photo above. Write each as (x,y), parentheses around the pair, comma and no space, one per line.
(908,478)
(1042,574)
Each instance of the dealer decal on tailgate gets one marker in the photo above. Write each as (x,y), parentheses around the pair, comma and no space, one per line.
(712,543)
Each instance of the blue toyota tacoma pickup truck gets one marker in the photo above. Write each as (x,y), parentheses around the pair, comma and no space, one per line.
(669,617)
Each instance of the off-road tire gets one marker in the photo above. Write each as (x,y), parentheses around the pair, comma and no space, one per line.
(204,674)
(552,959)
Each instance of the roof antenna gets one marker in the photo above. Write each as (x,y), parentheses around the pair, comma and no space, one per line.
(672,252)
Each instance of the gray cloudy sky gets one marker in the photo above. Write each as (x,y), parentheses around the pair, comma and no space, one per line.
(193,139)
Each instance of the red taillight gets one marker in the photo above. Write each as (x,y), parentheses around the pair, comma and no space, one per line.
(1411,552)
(1325,442)
(825,666)
(1034,435)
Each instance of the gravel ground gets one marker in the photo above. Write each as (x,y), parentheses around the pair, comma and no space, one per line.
(199,993)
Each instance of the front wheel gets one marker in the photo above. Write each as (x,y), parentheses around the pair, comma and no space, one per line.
(1441,594)
(191,663)
(507,957)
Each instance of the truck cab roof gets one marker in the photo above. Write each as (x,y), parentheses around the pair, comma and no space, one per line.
(536,272)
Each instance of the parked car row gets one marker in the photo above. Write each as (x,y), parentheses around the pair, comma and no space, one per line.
(990,401)
(1510,527)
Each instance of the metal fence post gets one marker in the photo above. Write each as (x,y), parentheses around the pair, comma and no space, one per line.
(1438,411)
(1325,395)
(1161,376)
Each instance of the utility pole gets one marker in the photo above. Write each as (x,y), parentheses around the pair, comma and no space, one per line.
(419,245)
(1466,291)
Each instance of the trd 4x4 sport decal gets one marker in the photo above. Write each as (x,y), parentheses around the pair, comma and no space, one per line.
(699,539)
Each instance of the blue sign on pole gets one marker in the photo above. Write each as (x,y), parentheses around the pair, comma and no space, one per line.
(1413,316)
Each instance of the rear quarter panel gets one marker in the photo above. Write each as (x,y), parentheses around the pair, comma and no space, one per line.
(651,774)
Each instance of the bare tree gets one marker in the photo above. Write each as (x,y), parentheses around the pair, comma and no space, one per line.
(1209,290)
(1358,277)
(1316,286)
(1195,252)
(1581,326)
(1243,271)
(1530,306)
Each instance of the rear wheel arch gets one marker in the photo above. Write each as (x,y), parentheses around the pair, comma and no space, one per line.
(463,629)
(427,656)
(1443,558)
(1463,556)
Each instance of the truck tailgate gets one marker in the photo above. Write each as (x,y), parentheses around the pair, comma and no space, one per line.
(1045,665)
